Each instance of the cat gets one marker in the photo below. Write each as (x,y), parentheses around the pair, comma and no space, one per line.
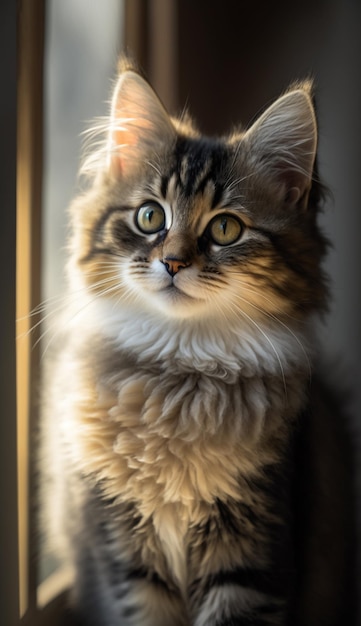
(200,466)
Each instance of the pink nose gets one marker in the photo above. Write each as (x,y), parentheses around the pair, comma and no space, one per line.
(174,265)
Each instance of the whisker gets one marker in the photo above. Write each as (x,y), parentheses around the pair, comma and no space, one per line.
(238,311)
(155,168)
(244,285)
(63,298)
(106,291)
(281,323)
(48,311)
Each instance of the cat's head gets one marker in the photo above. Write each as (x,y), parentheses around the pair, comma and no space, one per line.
(196,227)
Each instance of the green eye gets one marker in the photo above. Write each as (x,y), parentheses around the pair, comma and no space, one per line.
(225,229)
(150,218)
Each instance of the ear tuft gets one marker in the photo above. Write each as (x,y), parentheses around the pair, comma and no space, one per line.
(283,141)
(139,124)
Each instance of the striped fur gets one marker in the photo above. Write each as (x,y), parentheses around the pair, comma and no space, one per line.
(183,381)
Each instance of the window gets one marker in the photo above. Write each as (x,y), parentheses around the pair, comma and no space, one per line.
(81,50)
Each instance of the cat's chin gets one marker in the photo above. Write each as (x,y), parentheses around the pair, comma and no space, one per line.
(175,303)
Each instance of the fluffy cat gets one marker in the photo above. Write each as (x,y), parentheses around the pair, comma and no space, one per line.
(199,470)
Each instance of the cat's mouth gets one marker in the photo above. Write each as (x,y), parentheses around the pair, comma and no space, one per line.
(175,292)
(175,302)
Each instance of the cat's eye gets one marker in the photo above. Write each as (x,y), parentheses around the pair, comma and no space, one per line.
(225,229)
(150,218)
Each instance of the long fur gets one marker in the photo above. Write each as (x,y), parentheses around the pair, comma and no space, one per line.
(187,372)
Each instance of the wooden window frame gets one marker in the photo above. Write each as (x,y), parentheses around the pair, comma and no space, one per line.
(8,468)
(34,608)
(30,61)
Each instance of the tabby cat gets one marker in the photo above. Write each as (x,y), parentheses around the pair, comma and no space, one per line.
(199,464)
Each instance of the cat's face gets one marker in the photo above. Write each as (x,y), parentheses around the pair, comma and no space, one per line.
(192,227)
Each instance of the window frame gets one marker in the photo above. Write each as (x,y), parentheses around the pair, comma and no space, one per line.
(8,467)
(30,62)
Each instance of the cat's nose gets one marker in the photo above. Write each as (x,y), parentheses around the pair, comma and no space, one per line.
(173,265)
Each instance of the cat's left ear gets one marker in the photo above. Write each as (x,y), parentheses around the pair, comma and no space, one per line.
(139,125)
(283,142)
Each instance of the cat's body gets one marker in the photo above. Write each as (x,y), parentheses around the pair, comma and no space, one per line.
(183,398)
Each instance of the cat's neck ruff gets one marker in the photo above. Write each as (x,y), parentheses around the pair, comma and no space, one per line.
(211,346)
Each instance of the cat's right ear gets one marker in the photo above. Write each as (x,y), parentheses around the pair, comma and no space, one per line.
(139,125)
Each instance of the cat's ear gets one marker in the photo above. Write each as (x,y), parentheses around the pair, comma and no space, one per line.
(283,142)
(139,125)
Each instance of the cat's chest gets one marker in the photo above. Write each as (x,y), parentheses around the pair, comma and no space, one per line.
(160,439)
(170,446)
(177,440)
